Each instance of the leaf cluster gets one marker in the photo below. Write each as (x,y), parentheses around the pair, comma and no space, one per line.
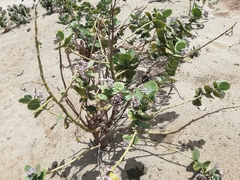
(219,89)
(203,167)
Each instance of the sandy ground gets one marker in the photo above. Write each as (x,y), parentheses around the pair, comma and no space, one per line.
(25,140)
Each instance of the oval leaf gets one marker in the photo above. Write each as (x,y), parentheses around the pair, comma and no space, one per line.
(142,124)
(180,45)
(102,97)
(208,89)
(197,166)
(60,35)
(197,13)
(196,155)
(223,85)
(118,86)
(150,86)
(34,104)
(167,13)
(159,24)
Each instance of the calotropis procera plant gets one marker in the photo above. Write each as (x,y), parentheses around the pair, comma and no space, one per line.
(106,80)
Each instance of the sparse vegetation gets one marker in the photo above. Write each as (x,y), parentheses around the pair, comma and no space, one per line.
(105,79)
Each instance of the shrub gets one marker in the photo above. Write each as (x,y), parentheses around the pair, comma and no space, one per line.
(106,80)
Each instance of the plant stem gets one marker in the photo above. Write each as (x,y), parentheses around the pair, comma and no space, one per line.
(201,117)
(111,39)
(73,160)
(209,42)
(126,151)
(44,80)
(175,105)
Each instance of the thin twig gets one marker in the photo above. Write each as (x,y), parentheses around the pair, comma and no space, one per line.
(209,42)
(189,123)
(175,105)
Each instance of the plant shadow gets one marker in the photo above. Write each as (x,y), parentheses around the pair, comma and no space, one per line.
(191,144)
(79,165)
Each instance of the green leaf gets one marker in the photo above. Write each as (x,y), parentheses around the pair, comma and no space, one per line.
(131,52)
(68,40)
(90,63)
(80,91)
(151,86)
(37,113)
(196,155)
(217,94)
(130,114)
(45,171)
(171,46)
(161,35)
(212,171)
(135,141)
(26,99)
(180,45)
(60,35)
(102,97)
(130,75)
(34,104)
(159,24)
(197,166)
(198,92)
(197,102)
(205,165)
(118,86)
(133,27)
(126,57)
(143,116)
(91,109)
(41,110)
(127,95)
(138,94)
(215,85)
(127,137)
(149,16)
(208,89)
(167,13)
(142,124)
(168,51)
(224,85)
(152,96)
(38,170)
(90,74)
(27,167)
(159,16)
(197,13)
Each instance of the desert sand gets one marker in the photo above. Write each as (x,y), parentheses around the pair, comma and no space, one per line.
(25,140)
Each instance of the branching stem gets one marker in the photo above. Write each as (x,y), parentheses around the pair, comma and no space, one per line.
(44,80)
